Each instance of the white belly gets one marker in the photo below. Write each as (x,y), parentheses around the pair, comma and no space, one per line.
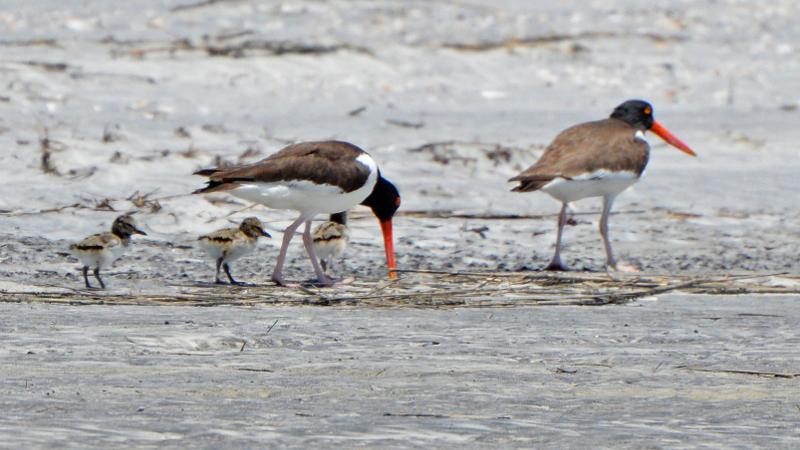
(230,252)
(598,184)
(102,259)
(307,197)
(331,249)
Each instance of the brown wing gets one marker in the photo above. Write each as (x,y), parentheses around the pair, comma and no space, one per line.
(324,162)
(607,144)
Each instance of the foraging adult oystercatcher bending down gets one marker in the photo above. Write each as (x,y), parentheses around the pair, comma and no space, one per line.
(596,159)
(312,178)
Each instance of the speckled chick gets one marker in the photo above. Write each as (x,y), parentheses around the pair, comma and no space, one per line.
(229,244)
(330,239)
(99,251)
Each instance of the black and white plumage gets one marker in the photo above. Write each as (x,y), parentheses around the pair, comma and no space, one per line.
(312,178)
(596,159)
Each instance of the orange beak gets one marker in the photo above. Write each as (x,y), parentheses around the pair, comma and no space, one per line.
(388,244)
(662,132)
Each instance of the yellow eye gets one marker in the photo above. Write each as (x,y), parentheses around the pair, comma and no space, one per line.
(648,110)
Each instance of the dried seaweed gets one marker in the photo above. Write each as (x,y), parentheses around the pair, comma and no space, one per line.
(427,289)
(536,41)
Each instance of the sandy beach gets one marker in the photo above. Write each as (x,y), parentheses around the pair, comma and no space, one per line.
(108,110)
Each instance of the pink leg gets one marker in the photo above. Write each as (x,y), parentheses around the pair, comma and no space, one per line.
(277,277)
(555,263)
(308,241)
(611,263)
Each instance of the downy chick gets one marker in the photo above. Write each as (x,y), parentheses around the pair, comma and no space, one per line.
(228,244)
(330,239)
(99,251)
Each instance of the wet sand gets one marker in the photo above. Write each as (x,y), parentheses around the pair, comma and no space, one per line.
(646,375)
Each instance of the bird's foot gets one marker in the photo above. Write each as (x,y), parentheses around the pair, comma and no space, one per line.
(556,266)
(324,281)
(278,280)
(329,282)
(344,281)
(622,267)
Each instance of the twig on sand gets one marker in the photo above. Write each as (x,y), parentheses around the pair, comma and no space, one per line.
(214,47)
(254,369)
(536,41)
(405,123)
(741,372)
(446,416)
(29,43)
(270,327)
(237,211)
(200,4)
(44,211)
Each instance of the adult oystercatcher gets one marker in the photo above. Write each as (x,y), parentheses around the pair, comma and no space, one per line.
(312,178)
(99,251)
(228,244)
(596,159)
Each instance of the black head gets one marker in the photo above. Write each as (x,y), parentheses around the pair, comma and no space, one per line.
(637,113)
(124,226)
(384,199)
(339,218)
(253,227)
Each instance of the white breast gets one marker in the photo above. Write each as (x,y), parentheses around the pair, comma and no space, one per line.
(237,251)
(330,249)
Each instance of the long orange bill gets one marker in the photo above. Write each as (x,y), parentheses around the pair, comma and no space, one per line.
(660,130)
(388,244)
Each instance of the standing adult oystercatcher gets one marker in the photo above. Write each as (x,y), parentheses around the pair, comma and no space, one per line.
(596,159)
(312,178)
